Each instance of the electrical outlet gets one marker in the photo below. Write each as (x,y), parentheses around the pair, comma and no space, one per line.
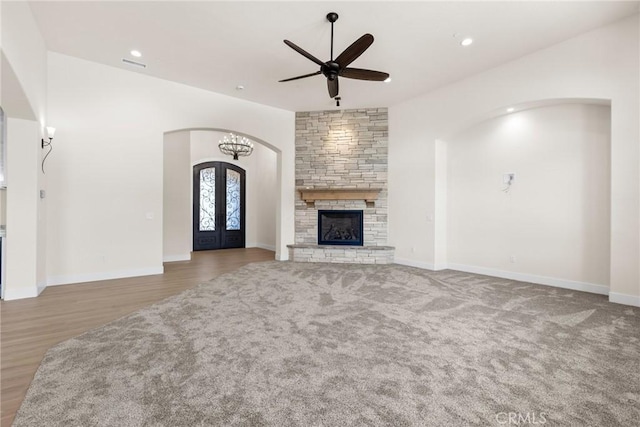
(512,258)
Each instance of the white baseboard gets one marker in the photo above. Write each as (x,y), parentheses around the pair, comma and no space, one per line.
(263,246)
(20,293)
(107,275)
(179,257)
(532,278)
(614,297)
(625,299)
(411,263)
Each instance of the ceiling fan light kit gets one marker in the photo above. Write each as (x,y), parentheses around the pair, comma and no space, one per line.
(339,67)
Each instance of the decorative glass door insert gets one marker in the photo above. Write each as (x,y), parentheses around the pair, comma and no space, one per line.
(208,199)
(233,200)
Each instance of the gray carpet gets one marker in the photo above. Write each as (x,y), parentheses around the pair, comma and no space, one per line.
(283,343)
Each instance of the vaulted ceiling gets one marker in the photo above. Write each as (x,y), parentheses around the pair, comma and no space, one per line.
(219,46)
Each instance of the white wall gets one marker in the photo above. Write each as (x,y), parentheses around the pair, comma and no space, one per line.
(23,94)
(266,181)
(24,49)
(22,224)
(554,219)
(601,64)
(106,180)
(176,201)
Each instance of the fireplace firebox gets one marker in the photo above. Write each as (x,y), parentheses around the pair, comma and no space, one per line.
(339,227)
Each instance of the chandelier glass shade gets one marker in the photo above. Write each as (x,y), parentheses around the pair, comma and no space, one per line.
(235,146)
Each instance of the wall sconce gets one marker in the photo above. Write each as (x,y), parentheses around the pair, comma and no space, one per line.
(50,132)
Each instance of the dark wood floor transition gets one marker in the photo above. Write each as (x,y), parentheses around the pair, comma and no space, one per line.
(31,326)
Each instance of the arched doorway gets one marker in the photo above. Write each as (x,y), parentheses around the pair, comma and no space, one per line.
(265,194)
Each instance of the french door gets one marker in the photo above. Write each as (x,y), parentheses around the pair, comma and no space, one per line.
(218,206)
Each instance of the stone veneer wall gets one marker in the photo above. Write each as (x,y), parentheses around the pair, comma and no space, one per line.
(342,149)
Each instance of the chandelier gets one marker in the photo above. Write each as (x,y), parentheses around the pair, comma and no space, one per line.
(235,146)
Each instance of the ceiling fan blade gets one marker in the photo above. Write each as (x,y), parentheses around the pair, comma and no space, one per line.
(356,49)
(303,52)
(360,74)
(300,77)
(333,87)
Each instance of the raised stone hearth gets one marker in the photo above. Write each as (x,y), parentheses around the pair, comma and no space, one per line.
(341,164)
(343,254)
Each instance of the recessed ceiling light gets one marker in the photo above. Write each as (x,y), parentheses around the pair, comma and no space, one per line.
(239,87)
(136,53)
(387,80)
(510,110)
(466,42)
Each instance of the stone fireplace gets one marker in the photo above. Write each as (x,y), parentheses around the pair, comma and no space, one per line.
(341,166)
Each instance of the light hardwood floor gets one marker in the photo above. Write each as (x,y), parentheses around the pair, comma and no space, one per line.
(31,326)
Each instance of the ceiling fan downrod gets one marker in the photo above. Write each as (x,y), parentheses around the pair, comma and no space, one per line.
(332,17)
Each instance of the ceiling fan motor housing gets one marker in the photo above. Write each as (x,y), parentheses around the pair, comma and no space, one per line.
(330,69)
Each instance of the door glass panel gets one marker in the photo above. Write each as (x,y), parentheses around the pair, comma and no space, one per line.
(233,200)
(208,199)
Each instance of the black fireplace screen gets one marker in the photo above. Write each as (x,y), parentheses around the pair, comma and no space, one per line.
(340,228)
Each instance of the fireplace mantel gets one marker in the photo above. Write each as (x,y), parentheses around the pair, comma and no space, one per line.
(310,195)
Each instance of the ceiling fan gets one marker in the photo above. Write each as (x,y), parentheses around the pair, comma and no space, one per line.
(339,67)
